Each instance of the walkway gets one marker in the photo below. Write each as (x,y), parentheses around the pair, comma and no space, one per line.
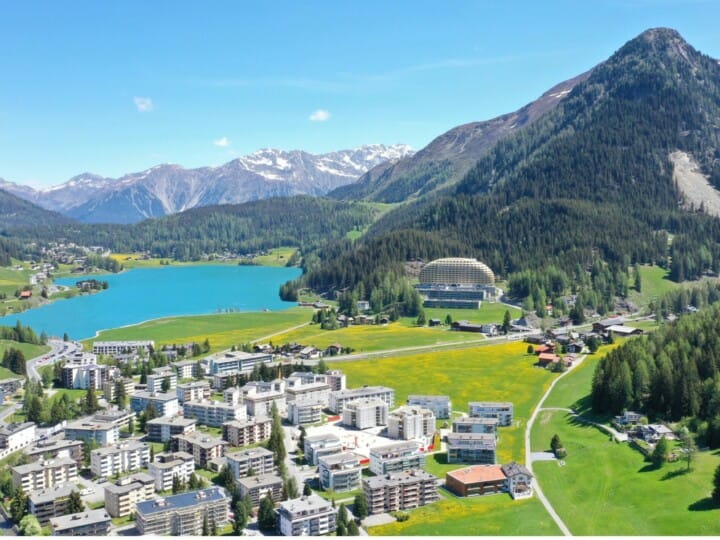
(529,456)
(619,437)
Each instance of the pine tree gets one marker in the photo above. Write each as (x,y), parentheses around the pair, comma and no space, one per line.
(18,506)
(360,506)
(266,514)
(352,528)
(506,322)
(241,518)
(75,503)
(660,454)
(276,443)
(716,485)
(307,490)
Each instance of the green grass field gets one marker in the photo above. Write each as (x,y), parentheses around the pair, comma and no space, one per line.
(501,372)
(29,350)
(606,488)
(489,312)
(222,330)
(493,515)
(655,283)
(275,257)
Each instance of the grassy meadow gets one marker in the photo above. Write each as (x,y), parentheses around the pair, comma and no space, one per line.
(275,257)
(492,515)
(222,330)
(29,350)
(606,488)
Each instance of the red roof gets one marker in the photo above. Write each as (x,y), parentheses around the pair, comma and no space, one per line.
(548,357)
(25,294)
(478,473)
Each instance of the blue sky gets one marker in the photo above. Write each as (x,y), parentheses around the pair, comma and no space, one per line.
(117,87)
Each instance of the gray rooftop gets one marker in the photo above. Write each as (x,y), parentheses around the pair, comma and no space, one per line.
(124,446)
(201,439)
(322,437)
(50,494)
(475,420)
(513,468)
(360,392)
(249,453)
(10,429)
(490,404)
(442,399)
(309,504)
(396,447)
(42,465)
(172,421)
(246,423)
(344,457)
(182,500)
(155,396)
(251,482)
(171,459)
(398,479)
(88,517)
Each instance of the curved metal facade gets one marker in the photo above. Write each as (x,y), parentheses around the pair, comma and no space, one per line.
(456,271)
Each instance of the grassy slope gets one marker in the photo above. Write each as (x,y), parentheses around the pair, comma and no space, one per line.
(275,257)
(30,351)
(223,330)
(494,515)
(607,488)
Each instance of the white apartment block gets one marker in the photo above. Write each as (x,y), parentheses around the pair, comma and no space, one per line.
(164,428)
(475,425)
(122,496)
(247,432)
(120,458)
(104,433)
(123,347)
(296,390)
(159,376)
(16,436)
(237,361)
(400,491)
(213,413)
(304,412)
(165,404)
(396,457)
(233,396)
(336,379)
(168,465)
(502,411)
(185,369)
(193,391)
(44,474)
(183,514)
(471,448)
(202,447)
(365,413)
(307,516)
(441,406)
(340,397)
(260,405)
(110,387)
(317,446)
(340,472)
(254,460)
(411,423)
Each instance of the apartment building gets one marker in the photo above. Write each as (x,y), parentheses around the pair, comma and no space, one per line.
(336,379)
(185,369)
(340,472)
(213,413)
(53,449)
(502,411)
(400,491)
(183,514)
(365,413)
(164,428)
(254,460)
(257,487)
(103,433)
(16,436)
(297,389)
(193,391)
(123,347)
(396,457)
(122,497)
(411,422)
(119,417)
(86,523)
(475,480)
(81,371)
(259,398)
(441,406)
(471,448)
(162,376)
(202,447)
(119,458)
(475,425)
(317,446)
(110,387)
(168,465)
(165,404)
(239,361)
(307,516)
(49,502)
(338,398)
(304,412)
(44,474)
(233,396)
(247,432)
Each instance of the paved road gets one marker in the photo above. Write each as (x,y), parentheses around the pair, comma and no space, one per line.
(528,454)
(59,350)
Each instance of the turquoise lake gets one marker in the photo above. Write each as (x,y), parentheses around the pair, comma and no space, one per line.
(143,294)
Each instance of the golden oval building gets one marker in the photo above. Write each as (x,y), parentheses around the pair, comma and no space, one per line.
(456,283)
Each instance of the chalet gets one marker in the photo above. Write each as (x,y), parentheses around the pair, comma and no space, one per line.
(24,295)
(465,326)
(652,433)
(434,322)
(628,417)
(545,349)
(307,353)
(333,349)
(576,347)
(624,331)
(546,358)
(603,325)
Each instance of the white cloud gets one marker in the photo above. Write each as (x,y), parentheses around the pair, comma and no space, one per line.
(143,104)
(222,142)
(321,115)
